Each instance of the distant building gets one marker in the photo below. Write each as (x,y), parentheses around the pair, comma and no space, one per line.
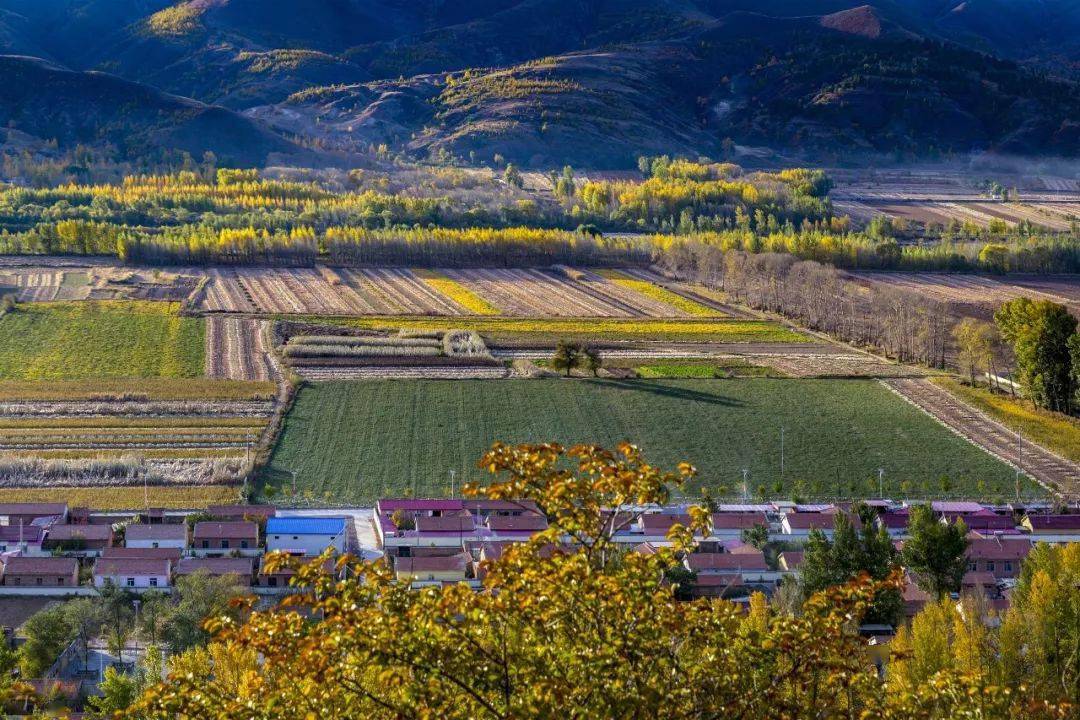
(213,538)
(1053,528)
(161,535)
(306,535)
(432,570)
(23,540)
(50,572)
(790,560)
(1000,557)
(404,524)
(84,540)
(173,554)
(133,573)
(242,568)
(13,513)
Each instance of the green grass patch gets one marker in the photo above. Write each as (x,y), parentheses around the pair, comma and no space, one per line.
(357,441)
(1054,431)
(105,339)
(506,328)
(136,388)
(705,368)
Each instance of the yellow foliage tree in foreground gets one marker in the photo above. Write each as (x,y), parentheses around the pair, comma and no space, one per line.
(568,625)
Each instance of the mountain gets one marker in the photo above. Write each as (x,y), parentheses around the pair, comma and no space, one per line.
(580,81)
(845,84)
(49,102)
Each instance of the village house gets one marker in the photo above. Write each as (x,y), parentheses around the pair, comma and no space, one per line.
(404,524)
(160,535)
(422,571)
(172,554)
(798,525)
(133,573)
(22,540)
(731,524)
(1053,528)
(242,568)
(750,566)
(26,513)
(80,540)
(41,572)
(306,535)
(214,539)
(1000,557)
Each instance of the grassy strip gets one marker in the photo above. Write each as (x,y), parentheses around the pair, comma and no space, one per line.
(126,498)
(463,296)
(1053,431)
(711,330)
(147,454)
(166,424)
(98,339)
(658,293)
(136,388)
(705,370)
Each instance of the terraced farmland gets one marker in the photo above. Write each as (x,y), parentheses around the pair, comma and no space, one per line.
(983,290)
(355,441)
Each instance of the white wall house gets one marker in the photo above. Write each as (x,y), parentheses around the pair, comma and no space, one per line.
(133,573)
(171,535)
(306,535)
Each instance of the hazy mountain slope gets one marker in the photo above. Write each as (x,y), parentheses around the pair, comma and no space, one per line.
(845,84)
(49,102)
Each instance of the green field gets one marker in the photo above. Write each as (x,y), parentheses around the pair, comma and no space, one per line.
(355,441)
(78,340)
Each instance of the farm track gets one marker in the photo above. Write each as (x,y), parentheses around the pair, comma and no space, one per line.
(1040,464)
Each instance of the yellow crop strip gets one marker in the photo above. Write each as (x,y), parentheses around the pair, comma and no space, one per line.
(651,290)
(124,498)
(463,296)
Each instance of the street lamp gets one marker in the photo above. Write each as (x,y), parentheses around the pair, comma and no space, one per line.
(881,483)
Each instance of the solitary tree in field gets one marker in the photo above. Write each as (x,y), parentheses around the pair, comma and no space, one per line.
(589,359)
(566,357)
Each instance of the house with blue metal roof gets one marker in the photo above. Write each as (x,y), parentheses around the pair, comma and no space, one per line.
(306,535)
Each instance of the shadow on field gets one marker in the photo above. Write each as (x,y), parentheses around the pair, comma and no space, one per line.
(655,388)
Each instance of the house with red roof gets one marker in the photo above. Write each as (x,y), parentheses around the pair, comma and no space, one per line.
(212,538)
(133,573)
(998,556)
(79,540)
(432,570)
(1052,528)
(41,572)
(241,567)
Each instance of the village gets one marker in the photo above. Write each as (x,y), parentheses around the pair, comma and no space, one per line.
(53,553)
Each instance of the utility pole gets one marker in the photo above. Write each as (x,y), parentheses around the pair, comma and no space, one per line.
(881,483)
(452,474)
(745,486)
(781,452)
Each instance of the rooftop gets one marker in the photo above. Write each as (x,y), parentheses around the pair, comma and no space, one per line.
(132,566)
(726,561)
(453,563)
(79,532)
(157,531)
(40,565)
(210,529)
(216,566)
(126,552)
(306,525)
